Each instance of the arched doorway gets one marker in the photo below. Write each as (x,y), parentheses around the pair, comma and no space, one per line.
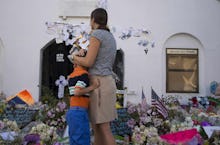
(54,62)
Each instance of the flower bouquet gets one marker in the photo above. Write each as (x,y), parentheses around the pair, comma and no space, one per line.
(145,124)
(54,116)
(9,132)
(42,134)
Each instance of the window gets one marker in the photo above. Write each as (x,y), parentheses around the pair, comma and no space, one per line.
(182,70)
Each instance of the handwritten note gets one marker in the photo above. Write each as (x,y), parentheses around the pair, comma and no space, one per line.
(21,116)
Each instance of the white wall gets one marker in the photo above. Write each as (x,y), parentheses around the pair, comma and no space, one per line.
(165,18)
(22,30)
(1,65)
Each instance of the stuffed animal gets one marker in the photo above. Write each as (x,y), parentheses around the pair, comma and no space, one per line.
(215,88)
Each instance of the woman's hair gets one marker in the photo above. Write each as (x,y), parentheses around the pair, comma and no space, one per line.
(100,17)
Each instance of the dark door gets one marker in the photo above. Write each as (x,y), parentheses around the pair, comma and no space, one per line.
(118,69)
(54,62)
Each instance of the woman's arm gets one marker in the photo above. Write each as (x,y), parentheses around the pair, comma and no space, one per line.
(90,57)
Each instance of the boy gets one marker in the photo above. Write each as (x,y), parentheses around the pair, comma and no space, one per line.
(77,115)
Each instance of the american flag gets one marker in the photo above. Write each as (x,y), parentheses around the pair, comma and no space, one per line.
(143,99)
(158,104)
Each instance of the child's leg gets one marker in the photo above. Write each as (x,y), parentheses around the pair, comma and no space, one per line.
(77,120)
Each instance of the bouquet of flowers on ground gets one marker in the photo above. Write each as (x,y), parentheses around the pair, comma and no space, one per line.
(46,134)
(8,125)
(55,116)
(140,115)
(146,136)
(145,124)
(9,132)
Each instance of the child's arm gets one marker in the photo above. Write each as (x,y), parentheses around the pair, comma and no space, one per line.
(81,91)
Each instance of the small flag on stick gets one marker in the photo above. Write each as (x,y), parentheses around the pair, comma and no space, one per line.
(158,104)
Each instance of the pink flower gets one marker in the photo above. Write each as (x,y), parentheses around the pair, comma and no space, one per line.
(50,114)
(138,137)
(62,106)
(131,123)
(2,125)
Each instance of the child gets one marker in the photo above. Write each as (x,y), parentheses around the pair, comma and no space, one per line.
(77,115)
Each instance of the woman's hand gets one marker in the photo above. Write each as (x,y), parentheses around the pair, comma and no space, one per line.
(81,53)
(94,83)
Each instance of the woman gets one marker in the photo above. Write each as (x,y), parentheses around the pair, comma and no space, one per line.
(100,58)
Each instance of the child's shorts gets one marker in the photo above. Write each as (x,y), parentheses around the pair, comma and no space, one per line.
(78,122)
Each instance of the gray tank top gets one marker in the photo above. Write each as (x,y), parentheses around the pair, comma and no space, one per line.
(106,54)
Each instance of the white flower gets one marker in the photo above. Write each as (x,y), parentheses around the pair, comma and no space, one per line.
(142,127)
(136,129)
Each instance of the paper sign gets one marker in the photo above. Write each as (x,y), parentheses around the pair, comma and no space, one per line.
(210,129)
(59,57)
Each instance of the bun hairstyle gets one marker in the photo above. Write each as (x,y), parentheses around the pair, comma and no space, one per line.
(100,17)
